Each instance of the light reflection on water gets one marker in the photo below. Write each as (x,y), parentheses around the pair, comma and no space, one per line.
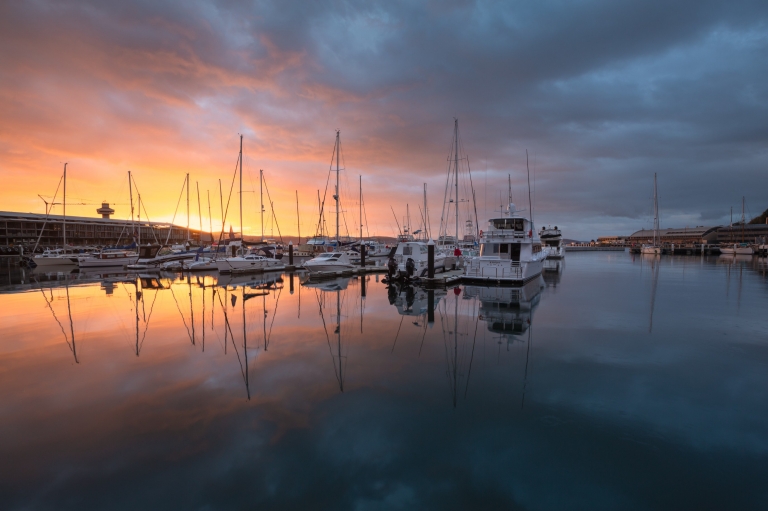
(612,382)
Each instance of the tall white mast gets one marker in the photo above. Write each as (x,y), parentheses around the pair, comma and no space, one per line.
(360,207)
(336,197)
(261,200)
(188,236)
(130,194)
(456,175)
(241,189)
(64,220)
(426,228)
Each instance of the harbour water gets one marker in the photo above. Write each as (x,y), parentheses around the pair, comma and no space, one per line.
(613,382)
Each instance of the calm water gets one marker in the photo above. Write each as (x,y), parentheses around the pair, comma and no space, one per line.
(613,383)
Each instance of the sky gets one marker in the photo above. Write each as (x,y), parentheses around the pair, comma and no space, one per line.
(601,95)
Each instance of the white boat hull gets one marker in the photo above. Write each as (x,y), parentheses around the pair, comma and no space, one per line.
(239,264)
(118,262)
(43,262)
(492,269)
(651,250)
(317,268)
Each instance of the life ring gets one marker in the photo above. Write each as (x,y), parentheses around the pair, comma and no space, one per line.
(481,233)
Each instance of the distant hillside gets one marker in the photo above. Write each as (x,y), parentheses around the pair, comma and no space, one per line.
(760,219)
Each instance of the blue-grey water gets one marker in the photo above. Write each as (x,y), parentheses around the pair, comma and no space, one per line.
(614,382)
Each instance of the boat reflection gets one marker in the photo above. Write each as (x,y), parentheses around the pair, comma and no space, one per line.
(333,287)
(552,271)
(507,311)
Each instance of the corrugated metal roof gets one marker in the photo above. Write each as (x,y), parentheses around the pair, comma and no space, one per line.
(684,232)
(38,217)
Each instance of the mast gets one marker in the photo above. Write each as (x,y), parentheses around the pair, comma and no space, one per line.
(261,200)
(241,189)
(130,193)
(64,220)
(655,212)
(298,218)
(199,212)
(426,229)
(743,220)
(456,175)
(530,204)
(320,213)
(336,197)
(188,235)
(210,218)
(138,217)
(360,205)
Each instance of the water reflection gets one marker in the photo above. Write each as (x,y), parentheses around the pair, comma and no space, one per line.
(459,398)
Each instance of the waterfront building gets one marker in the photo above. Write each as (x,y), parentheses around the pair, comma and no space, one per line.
(678,236)
(26,228)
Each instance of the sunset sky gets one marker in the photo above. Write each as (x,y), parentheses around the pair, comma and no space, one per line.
(602,94)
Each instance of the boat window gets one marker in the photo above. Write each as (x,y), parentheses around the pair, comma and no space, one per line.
(487,249)
(509,223)
(504,248)
(407,250)
(336,256)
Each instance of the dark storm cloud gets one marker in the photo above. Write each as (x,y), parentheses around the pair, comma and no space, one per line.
(601,93)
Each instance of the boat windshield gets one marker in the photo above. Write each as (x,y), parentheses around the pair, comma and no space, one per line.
(517,224)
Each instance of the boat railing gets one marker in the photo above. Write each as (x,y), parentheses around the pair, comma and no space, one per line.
(508,270)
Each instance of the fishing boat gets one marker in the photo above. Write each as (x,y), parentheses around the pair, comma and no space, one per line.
(655,247)
(552,241)
(510,251)
(336,260)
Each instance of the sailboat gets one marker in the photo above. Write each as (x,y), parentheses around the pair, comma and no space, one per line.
(63,256)
(336,260)
(655,247)
(457,243)
(246,261)
(742,248)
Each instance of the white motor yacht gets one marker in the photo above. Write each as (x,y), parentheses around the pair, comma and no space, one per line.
(509,252)
(552,240)
(248,262)
(329,261)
